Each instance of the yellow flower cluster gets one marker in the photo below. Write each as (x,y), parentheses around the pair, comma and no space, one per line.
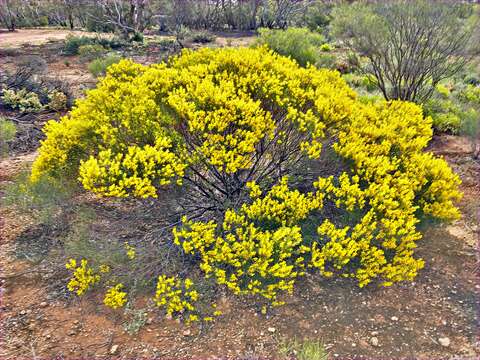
(280,204)
(143,126)
(130,251)
(177,296)
(117,139)
(246,259)
(83,277)
(392,182)
(115,297)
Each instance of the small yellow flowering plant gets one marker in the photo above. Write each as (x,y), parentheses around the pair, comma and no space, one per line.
(177,296)
(115,297)
(83,277)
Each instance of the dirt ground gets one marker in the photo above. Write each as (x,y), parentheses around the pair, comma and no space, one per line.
(35,36)
(434,317)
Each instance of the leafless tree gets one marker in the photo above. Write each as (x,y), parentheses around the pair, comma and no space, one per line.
(411,45)
(9,12)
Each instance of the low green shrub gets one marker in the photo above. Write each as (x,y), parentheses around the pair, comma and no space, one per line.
(299,44)
(73,44)
(58,101)
(327,61)
(7,134)
(137,37)
(42,199)
(202,37)
(326,47)
(91,51)
(22,100)
(454,110)
(306,350)
(98,67)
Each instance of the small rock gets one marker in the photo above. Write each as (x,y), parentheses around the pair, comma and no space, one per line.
(43,304)
(71,333)
(187,332)
(23,312)
(149,321)
(271,329)
(374,341)
(113,349)
(444,341)
(394,318)
(374,333)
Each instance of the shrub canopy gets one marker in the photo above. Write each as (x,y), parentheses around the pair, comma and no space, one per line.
(265,151)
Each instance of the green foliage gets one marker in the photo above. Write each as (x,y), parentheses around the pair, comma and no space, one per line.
(137,37)
(98,67)
(319,16)
(43,21)
(327,61)
(411,45)
(91,51)
(73,44)
(7,134)
(299,44)
(23,100)
(326,47)
(306,350)
(41,199)
(455,110)
(202,37)
(58,101)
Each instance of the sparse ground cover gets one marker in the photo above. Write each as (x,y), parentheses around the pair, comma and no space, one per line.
(434,316)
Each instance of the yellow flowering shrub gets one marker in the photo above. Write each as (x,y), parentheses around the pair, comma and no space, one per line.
(177,296)
(243,257)
(83,276)
(243,131)
(392,182)
(115,297)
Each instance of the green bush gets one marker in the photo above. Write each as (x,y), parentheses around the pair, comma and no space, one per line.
(43,21)
(137,37)
(299,44)
(7,134)
(318,16)
(328,61)
(91,51)
(99,66)
(326,47)
(73,43)
(42,199)
(454,111)
(22,100)
(202,37)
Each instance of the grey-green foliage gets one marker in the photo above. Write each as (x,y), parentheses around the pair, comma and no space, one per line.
(456,109)
(300,44)
(43,199)
(305,350)
(98,67)
(411,45)
(7,134)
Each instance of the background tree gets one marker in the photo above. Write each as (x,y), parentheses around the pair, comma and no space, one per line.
(410,45)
